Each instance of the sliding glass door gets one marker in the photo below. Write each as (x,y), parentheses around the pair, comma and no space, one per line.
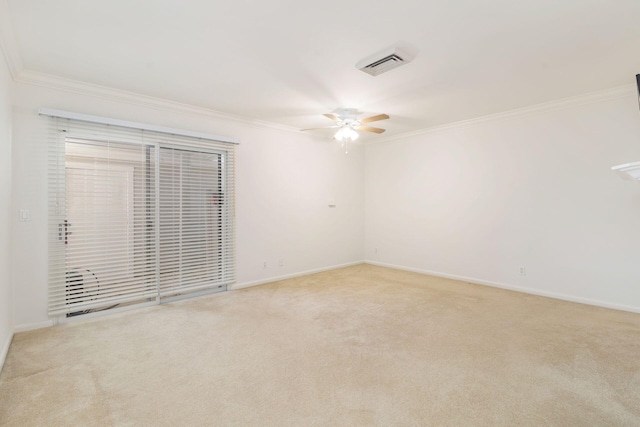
(136,221)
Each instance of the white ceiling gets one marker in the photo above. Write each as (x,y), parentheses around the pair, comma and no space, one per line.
(289,61)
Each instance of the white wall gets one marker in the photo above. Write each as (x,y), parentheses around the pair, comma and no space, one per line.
(284,181)
(535,190)
(475,201)
(6,326)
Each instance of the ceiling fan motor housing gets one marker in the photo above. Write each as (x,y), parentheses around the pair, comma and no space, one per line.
(346,113)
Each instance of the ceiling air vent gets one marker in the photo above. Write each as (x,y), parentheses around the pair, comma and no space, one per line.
(384,61)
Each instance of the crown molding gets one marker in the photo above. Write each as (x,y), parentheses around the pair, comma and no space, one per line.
(36,78)
(559,104)
(8,43)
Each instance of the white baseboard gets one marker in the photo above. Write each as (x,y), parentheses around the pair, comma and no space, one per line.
(522,289)
(291,276)
(5,350)
(25,327)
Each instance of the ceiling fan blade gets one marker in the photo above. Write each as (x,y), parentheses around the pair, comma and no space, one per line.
(332,116)
(371,129)
(374,118)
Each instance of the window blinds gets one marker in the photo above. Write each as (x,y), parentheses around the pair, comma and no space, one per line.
(136,215)
(192,221)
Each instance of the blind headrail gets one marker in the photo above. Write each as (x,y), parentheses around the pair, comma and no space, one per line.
(133,125)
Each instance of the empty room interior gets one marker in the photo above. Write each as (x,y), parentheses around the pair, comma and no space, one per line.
(319,213)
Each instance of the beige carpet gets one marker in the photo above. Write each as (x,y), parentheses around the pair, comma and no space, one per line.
(362,345)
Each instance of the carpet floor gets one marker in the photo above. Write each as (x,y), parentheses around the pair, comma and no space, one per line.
(363,345)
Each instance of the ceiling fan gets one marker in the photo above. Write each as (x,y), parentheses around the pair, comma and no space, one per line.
(347,122)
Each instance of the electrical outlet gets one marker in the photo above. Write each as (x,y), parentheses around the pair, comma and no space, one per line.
(523,271)
(281,263)
(264,265)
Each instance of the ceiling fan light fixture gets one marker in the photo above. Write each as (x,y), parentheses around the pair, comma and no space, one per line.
(348,125)
(346,133)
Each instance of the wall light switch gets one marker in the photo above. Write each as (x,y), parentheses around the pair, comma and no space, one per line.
(25,215)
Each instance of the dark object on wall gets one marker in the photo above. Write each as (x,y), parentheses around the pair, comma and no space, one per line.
(638,86)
